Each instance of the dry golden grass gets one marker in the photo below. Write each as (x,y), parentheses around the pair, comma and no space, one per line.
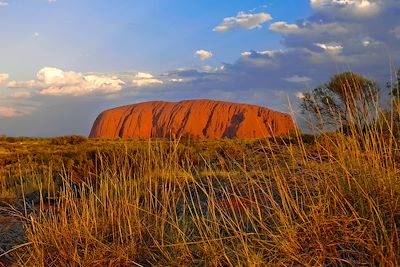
(278,202)
(335,203)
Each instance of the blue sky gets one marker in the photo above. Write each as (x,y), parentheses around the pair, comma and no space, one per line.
(64,61)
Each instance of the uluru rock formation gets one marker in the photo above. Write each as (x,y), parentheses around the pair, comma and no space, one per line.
(196,118)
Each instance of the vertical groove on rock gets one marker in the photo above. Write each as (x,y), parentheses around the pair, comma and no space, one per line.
(210,118)
(123,121)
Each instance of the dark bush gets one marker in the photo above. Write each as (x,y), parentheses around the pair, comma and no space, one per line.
(68,140)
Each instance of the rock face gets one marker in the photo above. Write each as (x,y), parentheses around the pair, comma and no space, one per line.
(204,119)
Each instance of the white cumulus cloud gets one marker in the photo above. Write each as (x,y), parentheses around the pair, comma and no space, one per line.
(56,82)
(283,27)
(269,53)
(203,54)
(20,95)
(299,95)
(9,112)
(396,32)
(143,79)
(176,80)
(359,8)
(3,77)
(298,79)
(3,4)
(143,75)
(366,42)
(308,28)
(330,48)
(243,20)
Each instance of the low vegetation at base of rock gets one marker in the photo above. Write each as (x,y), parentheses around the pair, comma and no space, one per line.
(328,200)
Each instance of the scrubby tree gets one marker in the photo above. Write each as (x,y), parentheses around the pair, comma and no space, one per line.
(389,120)
(347,97)
(394,86)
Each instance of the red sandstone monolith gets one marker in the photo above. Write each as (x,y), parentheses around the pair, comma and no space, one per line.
(204,119)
